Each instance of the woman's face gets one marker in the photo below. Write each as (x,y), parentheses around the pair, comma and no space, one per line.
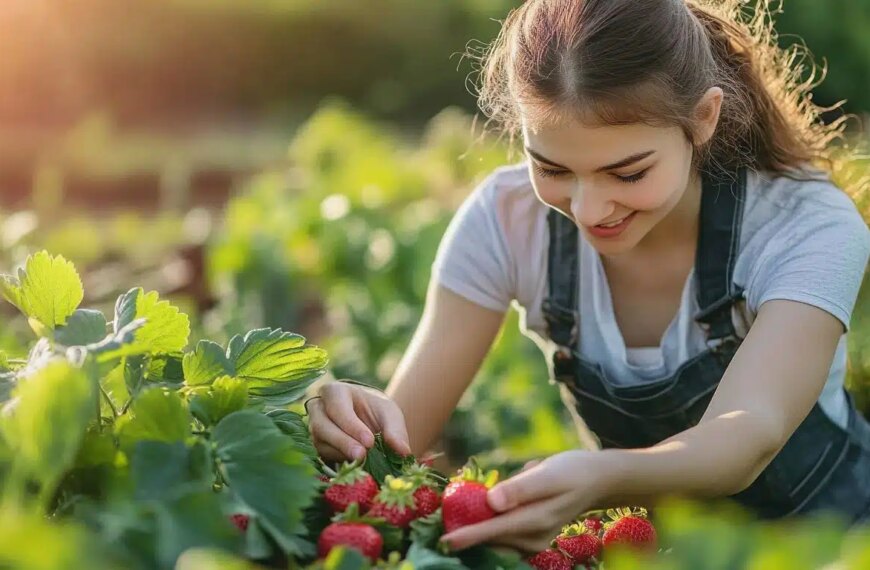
(616,182)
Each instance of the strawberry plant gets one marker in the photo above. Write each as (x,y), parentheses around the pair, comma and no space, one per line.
(123,447)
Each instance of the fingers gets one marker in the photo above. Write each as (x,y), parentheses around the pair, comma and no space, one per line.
(528,486)
(330,454)
(517,525)
(339,406)
(530,464)
(392,422)
(328,438)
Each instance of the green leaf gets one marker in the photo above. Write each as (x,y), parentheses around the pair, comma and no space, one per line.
(381,461)
(202,558)
(342,558)
(156,467)
(421,558)
(225,396)
(207,361)
(157,414)
(49,420)
(4,362)
(47,290)
(166,329)
(277,365)
(166,368)
(97,448)
(268,474)
(294,425)
(84,327)
(193,520)
(427,531)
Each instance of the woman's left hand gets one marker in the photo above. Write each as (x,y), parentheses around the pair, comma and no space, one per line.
(534,505)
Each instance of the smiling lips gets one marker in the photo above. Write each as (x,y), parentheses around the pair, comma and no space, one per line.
(611,230)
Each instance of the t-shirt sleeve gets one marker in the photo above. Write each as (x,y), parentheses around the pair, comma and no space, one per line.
(473,258)
(817,258)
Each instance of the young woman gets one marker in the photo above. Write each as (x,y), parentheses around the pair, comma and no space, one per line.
(675,249)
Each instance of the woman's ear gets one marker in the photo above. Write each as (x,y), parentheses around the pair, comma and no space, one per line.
(706,115)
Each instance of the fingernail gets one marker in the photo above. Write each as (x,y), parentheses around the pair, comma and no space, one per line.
(357,452)
(367,439)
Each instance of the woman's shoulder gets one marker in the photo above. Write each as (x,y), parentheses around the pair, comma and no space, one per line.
(780,205)
(507,198)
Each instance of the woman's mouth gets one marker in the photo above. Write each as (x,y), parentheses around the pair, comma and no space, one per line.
(612,229)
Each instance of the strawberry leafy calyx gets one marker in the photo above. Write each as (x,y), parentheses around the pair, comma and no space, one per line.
(423,476)
(349,473)
(397,492)
(616,514)
(352,515)
(575,529)
(473,473)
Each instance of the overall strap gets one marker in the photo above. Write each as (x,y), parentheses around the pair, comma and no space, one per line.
(560,306)
(718,244)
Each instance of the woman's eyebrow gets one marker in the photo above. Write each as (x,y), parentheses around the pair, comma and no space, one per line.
(628,161)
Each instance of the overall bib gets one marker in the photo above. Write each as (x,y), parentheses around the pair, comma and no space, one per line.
(822,467)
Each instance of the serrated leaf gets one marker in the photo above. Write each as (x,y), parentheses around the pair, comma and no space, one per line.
(294,425)
(157,414)
(277,365)
(84,327)
(225,396)
(125,308)
(267,473)
(49,420)
(166,329)
(48,289)
(207,361)
(381,461)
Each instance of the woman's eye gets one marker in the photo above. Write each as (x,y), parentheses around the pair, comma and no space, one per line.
(547,173)
(631,179)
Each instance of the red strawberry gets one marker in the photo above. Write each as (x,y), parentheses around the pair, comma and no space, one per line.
(395,503)
(241,521)
(427,500)
(464,501)
(323,478)
(593,523)
(579,542)
(359,536)
(351,485)
(426,484)
(630,528)
(551,560)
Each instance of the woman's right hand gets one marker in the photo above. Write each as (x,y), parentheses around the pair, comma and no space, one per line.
(344,418)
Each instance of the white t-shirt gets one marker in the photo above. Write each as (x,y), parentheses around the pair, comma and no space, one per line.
(801,240)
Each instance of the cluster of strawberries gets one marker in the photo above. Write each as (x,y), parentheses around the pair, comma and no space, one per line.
(360,509)
(582,543)
(398,502)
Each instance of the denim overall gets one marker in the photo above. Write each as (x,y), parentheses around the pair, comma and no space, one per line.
(822,467)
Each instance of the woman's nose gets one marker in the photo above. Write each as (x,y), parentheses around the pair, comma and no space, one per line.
(589,207)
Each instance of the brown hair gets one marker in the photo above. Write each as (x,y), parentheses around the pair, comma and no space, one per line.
(623,61)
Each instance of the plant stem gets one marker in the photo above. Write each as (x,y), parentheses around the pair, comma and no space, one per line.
(109,401)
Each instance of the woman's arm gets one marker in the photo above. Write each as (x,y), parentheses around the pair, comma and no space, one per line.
(451,341)
(769,388)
